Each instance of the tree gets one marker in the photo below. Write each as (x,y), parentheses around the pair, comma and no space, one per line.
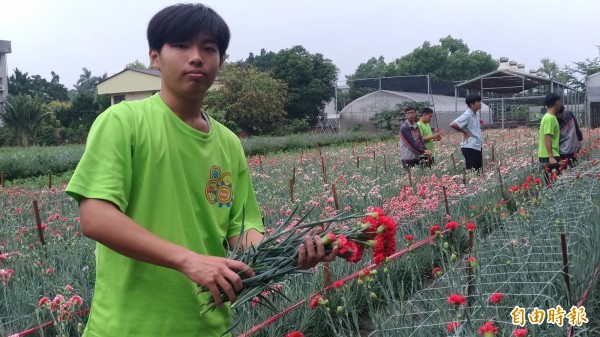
(580,70)
(137,64)
(373,68)
(22,115)
(21,83)
(87,83)
(451,60)
(310,80)
(249,98)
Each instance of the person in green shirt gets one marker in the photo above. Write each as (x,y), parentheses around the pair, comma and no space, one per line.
(428,135)
(548,147)
(163,188)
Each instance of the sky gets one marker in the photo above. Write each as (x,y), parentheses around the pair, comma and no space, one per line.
(66,35)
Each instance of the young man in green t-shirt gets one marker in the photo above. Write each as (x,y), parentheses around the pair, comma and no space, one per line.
(428,135)
(548,147)
(162,187)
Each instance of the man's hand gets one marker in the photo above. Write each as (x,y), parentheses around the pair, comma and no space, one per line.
(437,136)
(466,135)
(427,153)
(312,251)
(552,160)
(214,273)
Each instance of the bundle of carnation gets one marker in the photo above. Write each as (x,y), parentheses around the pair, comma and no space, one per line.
(276,257)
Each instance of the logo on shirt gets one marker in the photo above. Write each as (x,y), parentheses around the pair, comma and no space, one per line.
(219,189)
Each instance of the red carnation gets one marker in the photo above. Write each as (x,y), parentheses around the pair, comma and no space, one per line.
(434,230)
(452,325)
(496,297)
(338,284)
(295,334)
(514,188)
(437,271)
(409,238)
(520,333)
(452,225)
(457,299)
(470,226)
(488,329)
(315,301)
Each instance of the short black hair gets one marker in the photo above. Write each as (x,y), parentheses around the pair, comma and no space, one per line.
(551,99)
(472,99)
(426,111)
(181,22)
(409,108)
(561,109)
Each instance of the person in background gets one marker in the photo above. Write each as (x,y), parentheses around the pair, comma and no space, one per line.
(428,135)
(411,142)
(548,152)
(571,137)
(469,124)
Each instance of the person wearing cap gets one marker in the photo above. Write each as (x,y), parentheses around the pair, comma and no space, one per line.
(570,135)
(428,135)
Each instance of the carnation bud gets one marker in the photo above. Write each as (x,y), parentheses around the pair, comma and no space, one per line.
(373,214)
(381,229)
(374,272)
(385,270)
(360,282)
(453,257)
(446,245)
(340,309)
(371,243)
(373,296)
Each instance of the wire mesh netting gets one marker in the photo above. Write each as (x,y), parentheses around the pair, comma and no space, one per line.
(523,261)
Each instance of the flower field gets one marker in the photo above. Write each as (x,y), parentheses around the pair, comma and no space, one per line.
(451,280)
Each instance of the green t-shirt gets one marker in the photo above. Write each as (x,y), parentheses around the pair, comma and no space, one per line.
(549,126)
(183,185)
(426,131)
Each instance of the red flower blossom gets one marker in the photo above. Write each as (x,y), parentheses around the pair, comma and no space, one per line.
(481,121)
(315,301)
(338,284)
(295,334)
(43,301)
(515,188)
(520,333)
(378,258)
(452,325)
(496,297)
(488,329)
(409,237)
(457,299)
(470,226)
(452,225)
(437,271)
(434,230)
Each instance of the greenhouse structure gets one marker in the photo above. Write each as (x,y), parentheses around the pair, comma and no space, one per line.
(446,108)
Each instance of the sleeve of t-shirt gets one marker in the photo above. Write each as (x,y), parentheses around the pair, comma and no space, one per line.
(244,210)
(105,170)
(462,121)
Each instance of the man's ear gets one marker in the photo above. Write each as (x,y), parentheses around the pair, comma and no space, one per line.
(154,58)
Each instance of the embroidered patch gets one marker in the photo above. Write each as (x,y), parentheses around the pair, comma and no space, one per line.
(219,188)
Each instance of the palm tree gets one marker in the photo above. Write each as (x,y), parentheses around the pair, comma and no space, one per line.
(22,114)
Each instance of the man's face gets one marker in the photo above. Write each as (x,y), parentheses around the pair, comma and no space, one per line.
(426,118)
(188,69)
(476,106)
(411,115)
